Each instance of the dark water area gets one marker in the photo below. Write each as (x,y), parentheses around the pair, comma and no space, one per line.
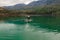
(40,28)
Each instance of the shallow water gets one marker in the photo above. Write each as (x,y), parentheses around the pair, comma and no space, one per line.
(41,28)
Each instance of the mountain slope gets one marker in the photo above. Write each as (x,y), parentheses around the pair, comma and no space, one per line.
(33,4)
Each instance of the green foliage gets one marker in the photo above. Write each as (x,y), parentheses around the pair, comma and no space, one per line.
(41,10)
(50,9)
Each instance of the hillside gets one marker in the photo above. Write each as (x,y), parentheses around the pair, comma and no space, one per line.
(33,4)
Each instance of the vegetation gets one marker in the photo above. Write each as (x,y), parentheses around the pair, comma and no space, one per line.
(49,10)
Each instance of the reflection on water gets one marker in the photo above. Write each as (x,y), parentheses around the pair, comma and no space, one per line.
(36,30)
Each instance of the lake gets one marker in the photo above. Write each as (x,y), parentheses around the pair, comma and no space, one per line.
(40,28)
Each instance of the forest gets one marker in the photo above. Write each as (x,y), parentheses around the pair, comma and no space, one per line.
(48,10)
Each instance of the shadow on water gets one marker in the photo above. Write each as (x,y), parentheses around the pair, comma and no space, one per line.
(46,22)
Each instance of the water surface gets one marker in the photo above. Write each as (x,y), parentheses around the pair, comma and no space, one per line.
(41,28)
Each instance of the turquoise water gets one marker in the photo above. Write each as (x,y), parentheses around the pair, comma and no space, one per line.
(40,28)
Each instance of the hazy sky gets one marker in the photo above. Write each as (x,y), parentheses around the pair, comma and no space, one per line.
(13,2)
